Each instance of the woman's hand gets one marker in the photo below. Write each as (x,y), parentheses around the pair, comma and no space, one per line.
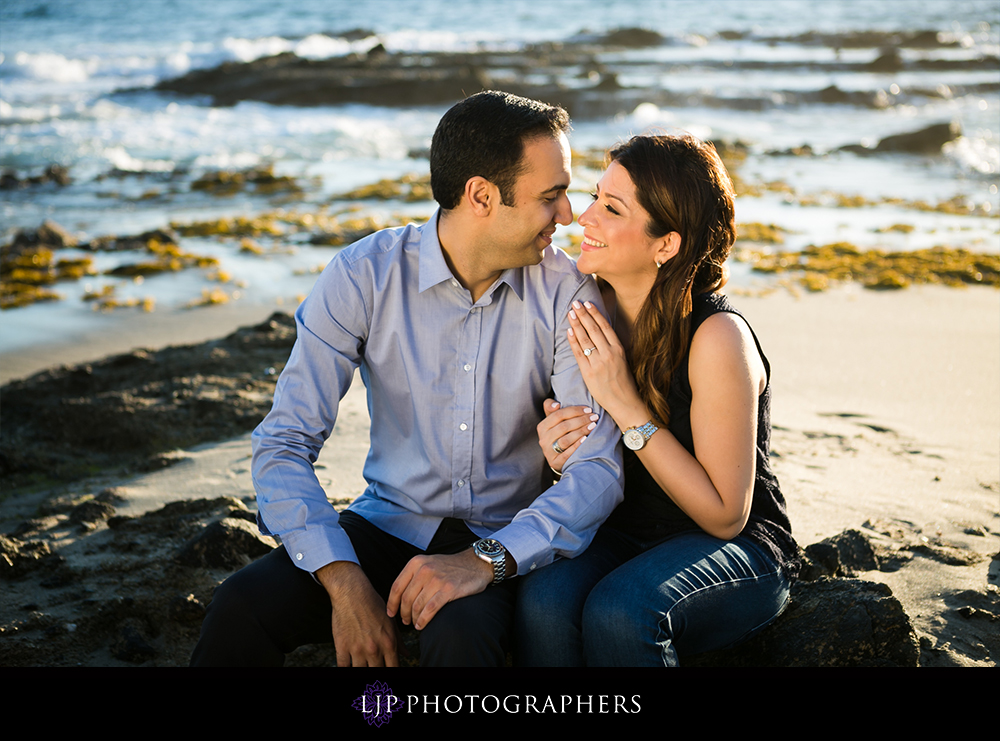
(563,428)
(602,362)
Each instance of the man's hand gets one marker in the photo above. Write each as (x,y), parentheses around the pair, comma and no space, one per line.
(362,632)
(428,583)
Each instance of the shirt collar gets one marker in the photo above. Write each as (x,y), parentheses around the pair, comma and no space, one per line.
(433,269)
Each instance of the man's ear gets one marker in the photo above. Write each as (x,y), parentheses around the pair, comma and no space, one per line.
(670,245)
(481,195)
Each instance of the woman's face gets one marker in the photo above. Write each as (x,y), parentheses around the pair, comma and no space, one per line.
(615,241)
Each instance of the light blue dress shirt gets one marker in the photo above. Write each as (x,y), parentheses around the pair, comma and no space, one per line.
(455,391)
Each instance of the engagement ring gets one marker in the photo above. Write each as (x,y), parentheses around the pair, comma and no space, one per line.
(589,350)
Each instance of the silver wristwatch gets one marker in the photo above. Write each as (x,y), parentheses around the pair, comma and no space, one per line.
(492,552)
(635,437)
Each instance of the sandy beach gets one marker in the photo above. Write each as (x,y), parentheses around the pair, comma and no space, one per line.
(885,420)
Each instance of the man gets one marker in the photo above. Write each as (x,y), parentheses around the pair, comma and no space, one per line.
(459,328)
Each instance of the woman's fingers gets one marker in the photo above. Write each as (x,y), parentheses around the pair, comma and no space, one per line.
(563,430)
(594,324)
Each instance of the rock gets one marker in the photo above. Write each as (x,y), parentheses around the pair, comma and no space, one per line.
(91,511)
(888,61)
(48,234)
(131,644)
(830,622)
(114,495)
(845,554)
(18,558)
(137,242)
(229,543)
(53,174)
(187,610)
(925,141)
(120,411)
(633,38)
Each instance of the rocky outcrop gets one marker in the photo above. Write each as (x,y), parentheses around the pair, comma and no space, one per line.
(145,600)
(925,141)
(55,174)
(830,622)
(127,409)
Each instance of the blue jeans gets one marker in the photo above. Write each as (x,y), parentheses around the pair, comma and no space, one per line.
(625,602)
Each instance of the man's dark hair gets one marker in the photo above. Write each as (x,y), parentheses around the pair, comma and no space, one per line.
(484,135)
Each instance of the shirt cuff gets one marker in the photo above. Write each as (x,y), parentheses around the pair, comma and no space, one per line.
(311,550)
(528,547)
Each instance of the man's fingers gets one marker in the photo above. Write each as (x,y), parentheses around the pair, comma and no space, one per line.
(395,603)
(429,610)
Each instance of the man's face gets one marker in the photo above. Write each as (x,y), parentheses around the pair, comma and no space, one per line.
(524,230)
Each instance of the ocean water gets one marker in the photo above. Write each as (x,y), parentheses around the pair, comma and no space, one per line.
(77,79)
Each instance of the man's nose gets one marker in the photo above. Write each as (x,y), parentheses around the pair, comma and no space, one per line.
(565,213)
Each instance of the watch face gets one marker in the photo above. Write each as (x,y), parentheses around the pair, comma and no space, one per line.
(633,440)
(489,547)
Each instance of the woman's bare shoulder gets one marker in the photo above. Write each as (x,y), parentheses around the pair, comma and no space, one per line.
(722,348)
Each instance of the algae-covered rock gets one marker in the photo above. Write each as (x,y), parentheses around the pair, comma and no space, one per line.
(877,269)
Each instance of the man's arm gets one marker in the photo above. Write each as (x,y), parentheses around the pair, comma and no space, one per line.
(332,328)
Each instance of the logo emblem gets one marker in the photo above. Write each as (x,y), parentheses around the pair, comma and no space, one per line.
(377,704)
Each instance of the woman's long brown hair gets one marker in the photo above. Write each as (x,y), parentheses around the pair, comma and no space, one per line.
(682,184)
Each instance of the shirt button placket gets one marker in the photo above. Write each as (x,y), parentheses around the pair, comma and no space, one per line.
(465,410)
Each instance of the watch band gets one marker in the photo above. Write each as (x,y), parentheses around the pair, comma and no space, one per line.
(493,552)
(635,437)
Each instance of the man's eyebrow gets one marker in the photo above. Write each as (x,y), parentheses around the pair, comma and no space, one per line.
(556,188)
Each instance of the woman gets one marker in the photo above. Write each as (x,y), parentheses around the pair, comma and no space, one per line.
(699,556)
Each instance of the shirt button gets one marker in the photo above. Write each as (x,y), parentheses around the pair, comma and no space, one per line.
(532,567)
(461,483)
(454,282)
(463,427)
(467,367)
(298,556)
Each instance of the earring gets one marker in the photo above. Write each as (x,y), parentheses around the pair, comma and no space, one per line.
(658,264)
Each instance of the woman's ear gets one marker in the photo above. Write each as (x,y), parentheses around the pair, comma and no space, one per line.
(670,245)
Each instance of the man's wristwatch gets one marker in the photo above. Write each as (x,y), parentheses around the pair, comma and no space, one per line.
(635,437)
(492,552)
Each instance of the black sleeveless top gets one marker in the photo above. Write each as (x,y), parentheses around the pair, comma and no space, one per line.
(649,514)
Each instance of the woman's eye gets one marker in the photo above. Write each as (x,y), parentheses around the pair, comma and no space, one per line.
(593,195)
(611,210)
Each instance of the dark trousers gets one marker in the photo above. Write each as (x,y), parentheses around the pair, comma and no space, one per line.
(272,607)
